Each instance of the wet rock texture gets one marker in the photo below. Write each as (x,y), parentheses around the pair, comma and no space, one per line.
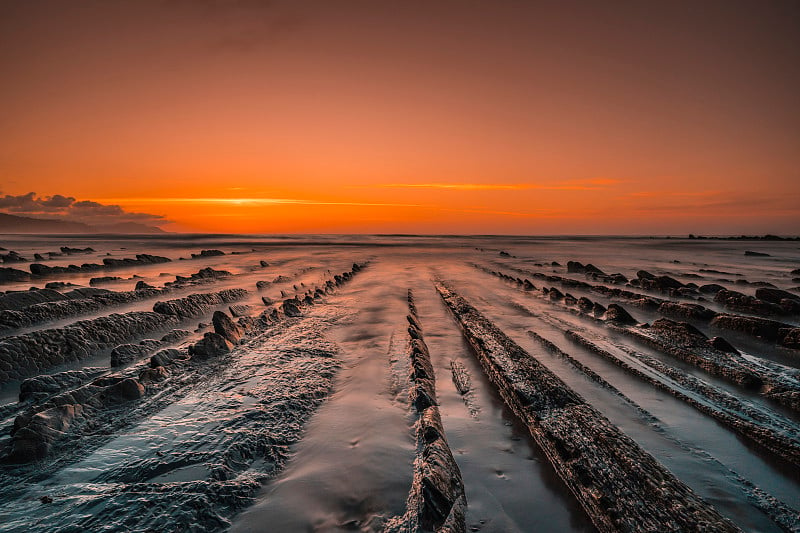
(758,327)
(436,501)
(621,487)
(24,355)
(286,366)
(26,308)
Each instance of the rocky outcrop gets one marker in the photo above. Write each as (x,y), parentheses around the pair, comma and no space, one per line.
(196,305)
(38,269)
(103,279)
(437,500)
(617,314)
(743,303)
(208,253)
(761,428)
(39,387)
(619,485)
(224,326)
(24,355)
(127,353)
(13,274)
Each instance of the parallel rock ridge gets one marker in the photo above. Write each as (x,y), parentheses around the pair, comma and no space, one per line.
(683,341)
(437,501)
(620,486)
(25,308)
(761,328)
(24,355)
(61,413)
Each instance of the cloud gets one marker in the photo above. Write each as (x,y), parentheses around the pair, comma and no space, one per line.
(68,208)
(574,185)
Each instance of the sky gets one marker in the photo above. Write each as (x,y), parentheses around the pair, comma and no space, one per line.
(508,117)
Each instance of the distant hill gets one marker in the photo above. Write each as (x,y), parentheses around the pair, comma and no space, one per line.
(18,224)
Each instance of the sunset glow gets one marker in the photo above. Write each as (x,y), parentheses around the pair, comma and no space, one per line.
(370,117)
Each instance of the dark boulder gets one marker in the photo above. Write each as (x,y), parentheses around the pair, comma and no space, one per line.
(617,314)
(722,345)
(598,310)
(224,326)
(775,295)
(291,307)
(125,390)
(710,288)
(211,345)
(166,357)
(686,311)
(13,274)
(755,254)
(103,279)
(208,253)
(575,267)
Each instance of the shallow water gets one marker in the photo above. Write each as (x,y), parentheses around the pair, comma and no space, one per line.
(347,464)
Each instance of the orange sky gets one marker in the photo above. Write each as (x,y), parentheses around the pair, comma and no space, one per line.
(413,117)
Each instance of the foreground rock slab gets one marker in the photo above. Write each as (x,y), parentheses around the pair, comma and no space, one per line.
(620,486)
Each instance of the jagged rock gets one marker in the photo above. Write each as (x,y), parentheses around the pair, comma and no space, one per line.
(211,345)
(125,390)
(616,313)
(711,288)
(153,375)
(291,307)
(678,331)
(687,311)
(598,310)
(239,310)
(198,304)
(66,250)
(281,279)
(35,439)
(103,279)
(555,294)
(644,274)
(47,384)
(166,357)
(575,267)
(585,304)
(127,353)
(757,327)
(790,337)
(208,253)
(224,326)
(738,301)
(261,285)
(13,274)
(722,345)
(20,299)
(56,285)
(591,269)
(27,354)
(142,285)
(267,300)
(263,263)
(775,295)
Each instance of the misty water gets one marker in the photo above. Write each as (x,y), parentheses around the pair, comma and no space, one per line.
(307,426)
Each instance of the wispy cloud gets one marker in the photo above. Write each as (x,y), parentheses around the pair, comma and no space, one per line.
(250,201)
(576,185)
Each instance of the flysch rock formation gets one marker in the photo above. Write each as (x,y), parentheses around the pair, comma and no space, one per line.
(620,486)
